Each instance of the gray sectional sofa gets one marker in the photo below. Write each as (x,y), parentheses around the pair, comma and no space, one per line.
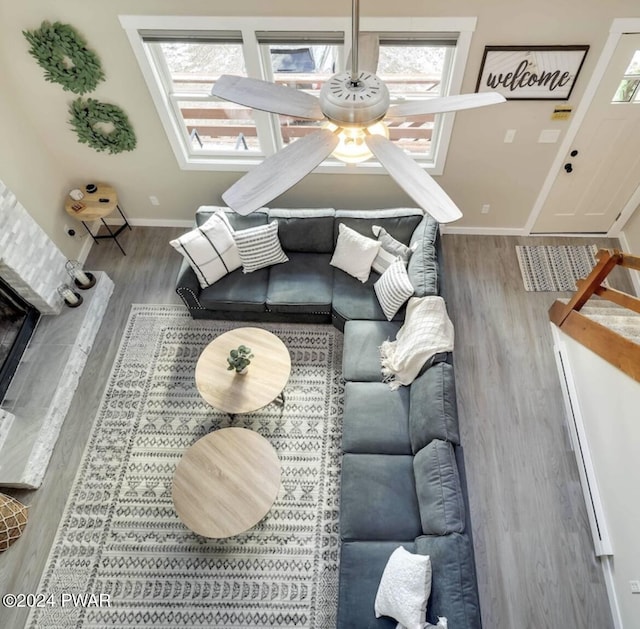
(402,477)
(402,484)
(307,288)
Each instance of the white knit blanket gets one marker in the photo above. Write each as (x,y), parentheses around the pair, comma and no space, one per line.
(427,330)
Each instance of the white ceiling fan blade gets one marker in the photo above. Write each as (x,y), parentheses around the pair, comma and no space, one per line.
(265,96)
(444,104)
(417,183)
(278,173)
(368,53)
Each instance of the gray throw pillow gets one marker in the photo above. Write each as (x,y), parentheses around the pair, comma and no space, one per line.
(390,250)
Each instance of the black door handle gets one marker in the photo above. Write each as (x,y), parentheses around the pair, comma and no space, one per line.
(568,168)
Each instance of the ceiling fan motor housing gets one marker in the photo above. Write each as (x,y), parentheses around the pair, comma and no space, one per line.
(359,103)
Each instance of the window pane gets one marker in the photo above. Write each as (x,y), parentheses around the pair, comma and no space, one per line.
(303,67)
(211,125)
(219,126)
(634,66)
(411,73)
(194,67)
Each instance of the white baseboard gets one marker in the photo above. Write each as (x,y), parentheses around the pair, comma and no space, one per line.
(484,231)
(152,222)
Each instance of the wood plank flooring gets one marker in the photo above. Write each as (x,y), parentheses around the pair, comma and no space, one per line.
(536,566)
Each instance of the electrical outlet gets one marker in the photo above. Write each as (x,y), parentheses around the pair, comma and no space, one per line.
(635,587)
(72,232)
(485,209)
(154,200)
(509,136)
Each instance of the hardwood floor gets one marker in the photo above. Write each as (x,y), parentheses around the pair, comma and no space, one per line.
(536,566)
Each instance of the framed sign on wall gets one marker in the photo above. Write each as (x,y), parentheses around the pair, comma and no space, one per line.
(531,72)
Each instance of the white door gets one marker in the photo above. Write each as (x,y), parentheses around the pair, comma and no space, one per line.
(602,169)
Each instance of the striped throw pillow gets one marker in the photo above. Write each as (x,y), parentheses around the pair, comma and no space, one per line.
(393,288)
(259,247)
(210,249)
(390,250)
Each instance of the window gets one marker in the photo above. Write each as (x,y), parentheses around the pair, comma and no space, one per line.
(182,57)
(628,91)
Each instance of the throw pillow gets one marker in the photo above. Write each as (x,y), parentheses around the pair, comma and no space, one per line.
(405,588)
(393,288)
(354,253)
(210,249)
(259,247)
(390,249)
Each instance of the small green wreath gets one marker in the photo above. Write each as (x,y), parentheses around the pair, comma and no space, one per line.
(102,126)
(62,52)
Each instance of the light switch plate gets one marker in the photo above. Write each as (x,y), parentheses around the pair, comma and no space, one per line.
(549,136)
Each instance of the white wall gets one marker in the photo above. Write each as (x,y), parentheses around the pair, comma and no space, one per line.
(480,167)
(608,403)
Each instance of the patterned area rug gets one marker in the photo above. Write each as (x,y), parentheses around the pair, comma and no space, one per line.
(120,537)
(547,268)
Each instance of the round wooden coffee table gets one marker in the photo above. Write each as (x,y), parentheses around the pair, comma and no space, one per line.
(264,381)
(226,482)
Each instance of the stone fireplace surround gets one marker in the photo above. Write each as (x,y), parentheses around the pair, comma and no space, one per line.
(37,402)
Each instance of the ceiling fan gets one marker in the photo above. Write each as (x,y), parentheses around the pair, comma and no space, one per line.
(353,105)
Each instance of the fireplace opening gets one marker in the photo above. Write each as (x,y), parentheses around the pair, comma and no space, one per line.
(18,320)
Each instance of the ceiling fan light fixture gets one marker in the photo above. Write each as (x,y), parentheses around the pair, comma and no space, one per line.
(352,147)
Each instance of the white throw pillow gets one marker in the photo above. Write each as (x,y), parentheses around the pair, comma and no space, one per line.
(210,249)
(393,288)
(390,249)
(259,247)
(354,253)
(405,588)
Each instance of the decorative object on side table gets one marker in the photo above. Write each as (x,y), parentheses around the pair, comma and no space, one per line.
(82,279)
(13,519)
(70,298)
(240,359)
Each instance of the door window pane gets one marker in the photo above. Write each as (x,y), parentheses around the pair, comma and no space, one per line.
(628,91)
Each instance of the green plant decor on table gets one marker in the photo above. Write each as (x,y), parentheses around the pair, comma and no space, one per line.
(239,359)
(62,52)
(102,126)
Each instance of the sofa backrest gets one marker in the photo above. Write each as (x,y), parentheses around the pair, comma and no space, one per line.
(259,217)
(305,230)
(399,222)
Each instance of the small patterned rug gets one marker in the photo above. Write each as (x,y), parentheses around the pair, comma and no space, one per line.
(121,549)
(555,268)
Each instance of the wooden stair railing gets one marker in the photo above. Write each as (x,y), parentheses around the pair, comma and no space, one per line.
(608,344)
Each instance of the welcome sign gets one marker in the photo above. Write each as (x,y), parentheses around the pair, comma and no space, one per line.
(531,72)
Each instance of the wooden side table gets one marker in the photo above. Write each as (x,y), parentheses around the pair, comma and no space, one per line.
(226,482)
(97,205)
(264,381)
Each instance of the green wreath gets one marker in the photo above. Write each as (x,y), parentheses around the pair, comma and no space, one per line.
(102,126)
(62,52)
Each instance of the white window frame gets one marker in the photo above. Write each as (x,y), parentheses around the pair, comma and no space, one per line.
(248,26)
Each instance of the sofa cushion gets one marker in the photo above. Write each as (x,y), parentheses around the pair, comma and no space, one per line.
(304,284)
(237,292)
(375,419)
(454,591)
(354,300)
(361,566)
(361,352)
(433,412)
(383,486)
(438,489)
(210,249)
(305,230)
(354,253)
(404,588)
(423,263)
(259,247)
(398,222)
(393,289)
